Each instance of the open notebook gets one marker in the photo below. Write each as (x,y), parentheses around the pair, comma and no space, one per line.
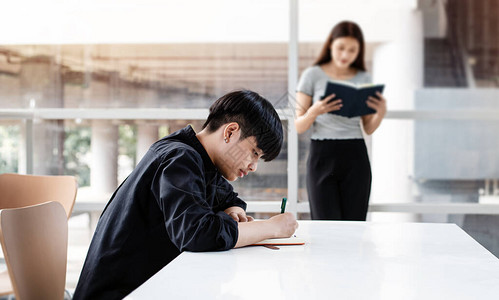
(282,241)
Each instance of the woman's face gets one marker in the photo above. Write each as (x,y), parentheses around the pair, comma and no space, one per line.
(344,51)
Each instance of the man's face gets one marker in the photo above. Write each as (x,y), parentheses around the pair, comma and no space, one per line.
(240,158)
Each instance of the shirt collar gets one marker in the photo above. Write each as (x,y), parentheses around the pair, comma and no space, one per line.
(193,141)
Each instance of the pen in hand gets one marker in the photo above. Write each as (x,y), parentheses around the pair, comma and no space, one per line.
(283,208)
(283,205)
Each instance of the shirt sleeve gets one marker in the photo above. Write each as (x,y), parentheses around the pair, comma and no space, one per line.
(190,221)
(306,83)
(226,197)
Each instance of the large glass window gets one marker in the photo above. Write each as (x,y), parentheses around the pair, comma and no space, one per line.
(126,55)
(9,148)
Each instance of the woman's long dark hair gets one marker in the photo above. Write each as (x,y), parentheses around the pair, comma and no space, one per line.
(343,29)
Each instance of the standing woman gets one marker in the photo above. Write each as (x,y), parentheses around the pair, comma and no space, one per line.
(338,168)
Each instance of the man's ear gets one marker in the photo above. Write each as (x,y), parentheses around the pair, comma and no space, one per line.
(229,130)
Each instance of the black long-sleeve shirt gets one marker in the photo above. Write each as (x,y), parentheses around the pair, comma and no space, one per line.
(173,201)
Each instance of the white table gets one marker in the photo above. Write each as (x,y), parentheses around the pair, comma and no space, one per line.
(341,260)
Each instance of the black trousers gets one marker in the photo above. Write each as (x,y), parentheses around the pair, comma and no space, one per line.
(338,179)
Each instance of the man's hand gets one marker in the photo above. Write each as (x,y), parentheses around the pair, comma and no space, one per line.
(279,226)
(285,225)
(238,214)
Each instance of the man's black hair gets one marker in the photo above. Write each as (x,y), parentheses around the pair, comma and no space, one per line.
(256,117)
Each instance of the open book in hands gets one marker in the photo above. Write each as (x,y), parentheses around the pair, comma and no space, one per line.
(353,97)
(281,241)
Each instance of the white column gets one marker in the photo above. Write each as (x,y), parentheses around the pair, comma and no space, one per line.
(293,173)
(399,64)
(25,161)
(147,134)
(104,147)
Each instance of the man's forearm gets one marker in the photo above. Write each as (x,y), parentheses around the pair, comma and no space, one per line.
(253,232)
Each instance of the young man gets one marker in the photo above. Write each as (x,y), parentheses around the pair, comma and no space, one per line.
(178,198)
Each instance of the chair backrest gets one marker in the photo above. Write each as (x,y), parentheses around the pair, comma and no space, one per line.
(35,242)
(18,190)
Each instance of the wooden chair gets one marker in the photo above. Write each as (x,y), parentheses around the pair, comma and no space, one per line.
(35,243)
(18,190)
(25,190)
